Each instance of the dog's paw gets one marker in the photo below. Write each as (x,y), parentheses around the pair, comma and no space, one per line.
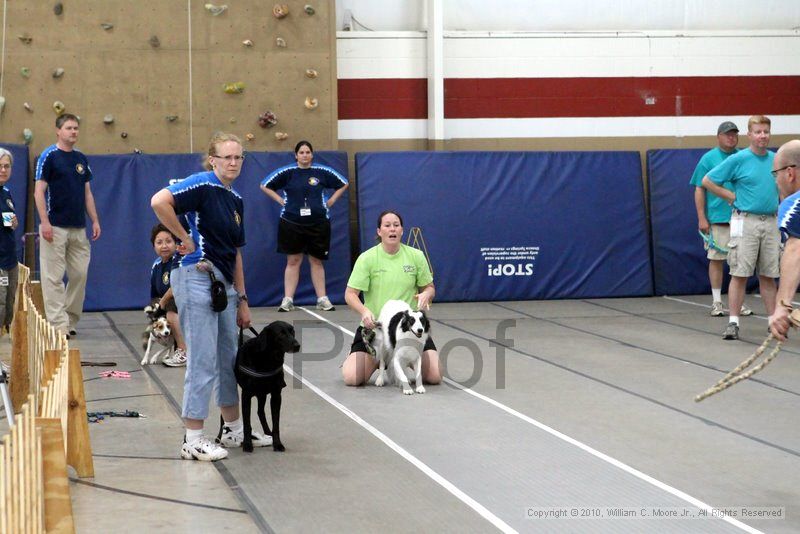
(420,389)
(407,390)
(381,380)
(278,447)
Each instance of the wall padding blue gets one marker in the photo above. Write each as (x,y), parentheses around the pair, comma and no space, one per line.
(119,273)
(516,225)
(18,185)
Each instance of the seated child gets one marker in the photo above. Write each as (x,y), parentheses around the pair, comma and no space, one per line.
(160,291)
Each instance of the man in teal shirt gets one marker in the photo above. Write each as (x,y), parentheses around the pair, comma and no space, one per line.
(714,214)
(755,240)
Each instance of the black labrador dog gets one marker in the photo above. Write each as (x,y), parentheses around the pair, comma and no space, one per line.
(259,372)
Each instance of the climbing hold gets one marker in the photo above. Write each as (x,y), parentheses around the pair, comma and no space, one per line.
(234,88)
(154,42)
(137,151)
(280,11)
(25,71)
(27,135)
(124,135)
(281,136)
(267,119)
(58,73)
(311,103)
(232,120)
(27,106)
(309,10)
(248,43)
(106,26)
(311,73)
(59,107)
(249,137)
(280,42)
(58,8)
(2,103)
(216,10)
(25,38)
(108,119)
(172,118)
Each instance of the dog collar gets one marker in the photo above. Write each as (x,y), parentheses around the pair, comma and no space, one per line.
(258,374)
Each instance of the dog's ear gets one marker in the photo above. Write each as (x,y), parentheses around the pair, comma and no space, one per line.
(407,322)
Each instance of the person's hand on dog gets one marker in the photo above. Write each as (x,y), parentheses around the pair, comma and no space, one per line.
(367,319)
(186,246)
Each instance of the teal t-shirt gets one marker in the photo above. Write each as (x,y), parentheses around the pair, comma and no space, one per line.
(717,209)
(383,277)
(751,178)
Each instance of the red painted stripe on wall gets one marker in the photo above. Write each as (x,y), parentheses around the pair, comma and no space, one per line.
(573,97)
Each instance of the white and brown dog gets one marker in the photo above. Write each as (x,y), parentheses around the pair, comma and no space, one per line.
(157,339)
(399,344)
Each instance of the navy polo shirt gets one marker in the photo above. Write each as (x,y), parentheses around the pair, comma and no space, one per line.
(213,215)
(66,174)
(8,245)
(304,188)
(159,277)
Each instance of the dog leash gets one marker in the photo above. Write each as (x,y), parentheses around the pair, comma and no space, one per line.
(252,372)
(709,240)
(115,374)
(96,417)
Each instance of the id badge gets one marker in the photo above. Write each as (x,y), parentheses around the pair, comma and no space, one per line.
(305,212)
(737,225)
(3,281)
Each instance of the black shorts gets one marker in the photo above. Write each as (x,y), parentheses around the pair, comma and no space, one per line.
(314,239)
(359,346)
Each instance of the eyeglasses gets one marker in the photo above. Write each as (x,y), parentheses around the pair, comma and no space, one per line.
(776,171)
(5,166)
(236,158)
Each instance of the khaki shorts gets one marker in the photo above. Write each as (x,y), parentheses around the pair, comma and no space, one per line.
(722,235)
(758,247)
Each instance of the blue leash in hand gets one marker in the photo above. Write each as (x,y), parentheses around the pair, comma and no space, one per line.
(709,240)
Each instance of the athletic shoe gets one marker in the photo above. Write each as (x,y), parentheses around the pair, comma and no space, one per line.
(731,332)
(286,305)
(745,311)
(202,449)
(716,309)
(178,359)
(324,304)
(233,439)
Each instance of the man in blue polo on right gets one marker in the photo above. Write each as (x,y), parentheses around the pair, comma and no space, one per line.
(755,240)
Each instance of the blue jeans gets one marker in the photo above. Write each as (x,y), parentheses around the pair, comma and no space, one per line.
(211,341)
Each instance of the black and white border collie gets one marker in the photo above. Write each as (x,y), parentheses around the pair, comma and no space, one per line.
(399,345)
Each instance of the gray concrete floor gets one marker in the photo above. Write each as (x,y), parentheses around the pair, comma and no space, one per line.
(585,408)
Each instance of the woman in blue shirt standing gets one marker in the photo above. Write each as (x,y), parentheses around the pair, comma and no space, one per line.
(305,226)
(211,233)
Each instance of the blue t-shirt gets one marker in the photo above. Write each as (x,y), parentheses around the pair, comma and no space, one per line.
(789,217)
(213,214)
(717,209)
(159,277)
(304,188)
(66,174)
(752,181)
(8,245)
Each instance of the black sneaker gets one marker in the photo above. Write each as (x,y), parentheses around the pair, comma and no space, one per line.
(731,332)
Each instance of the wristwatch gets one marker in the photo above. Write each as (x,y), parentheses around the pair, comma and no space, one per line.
(243,297)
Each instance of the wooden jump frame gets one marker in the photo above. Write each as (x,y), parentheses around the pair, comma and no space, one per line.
(50,431)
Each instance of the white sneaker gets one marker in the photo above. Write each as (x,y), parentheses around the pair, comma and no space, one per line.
(202,449)
(178,359)
(233,439)
(716,309)
(287,305)
(324,304)
(745,311)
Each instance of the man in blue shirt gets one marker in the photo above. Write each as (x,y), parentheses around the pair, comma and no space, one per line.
(714,214)
(786,169)
(755,241)
(63,199)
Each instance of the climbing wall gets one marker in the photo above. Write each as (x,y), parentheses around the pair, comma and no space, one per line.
(151,75)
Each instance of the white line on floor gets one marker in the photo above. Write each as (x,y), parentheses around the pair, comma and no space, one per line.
(416,462)
(707,306)
(586,448)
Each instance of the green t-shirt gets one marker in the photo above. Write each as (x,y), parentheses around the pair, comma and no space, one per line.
(383,277)
(717,209)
